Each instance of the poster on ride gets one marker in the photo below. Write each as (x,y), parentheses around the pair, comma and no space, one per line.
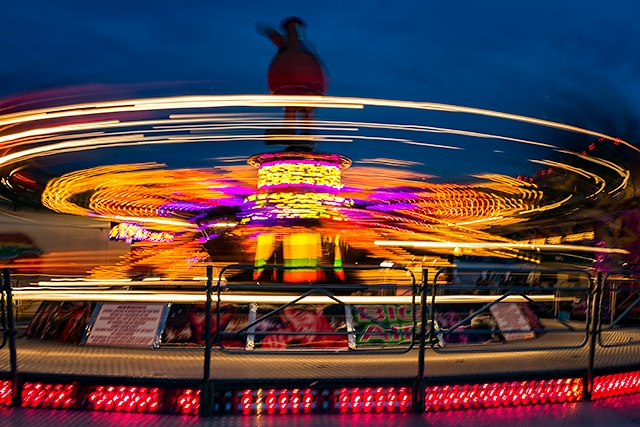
(63,321)
(462,324)
(126,324)
(384,325)
(298,327)
(186,325)
(512,322)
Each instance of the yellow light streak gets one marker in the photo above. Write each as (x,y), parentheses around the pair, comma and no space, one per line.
(160,221)
(184,297)
(496,245)
(624,173)
(493,218)
(93,109)
(548,207)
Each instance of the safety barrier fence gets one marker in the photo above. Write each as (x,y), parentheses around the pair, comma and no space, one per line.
(446,314)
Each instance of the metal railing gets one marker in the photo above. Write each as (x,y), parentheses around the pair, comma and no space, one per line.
(329,295)
(620,310)
(608,303)
(474,327)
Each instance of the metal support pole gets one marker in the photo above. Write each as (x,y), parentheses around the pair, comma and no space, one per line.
(11,331)
(418,389)
(595,322)
(206,389)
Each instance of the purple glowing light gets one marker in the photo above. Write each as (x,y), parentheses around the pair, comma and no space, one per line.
(393,195)
(391,207)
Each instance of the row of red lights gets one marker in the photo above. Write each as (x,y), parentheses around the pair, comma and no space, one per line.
(39,395)
(592,146)
(104,398)
(367,399)
(125,399)
(503,394)
(375,399)
(281,401)
(354,400)
(616,385)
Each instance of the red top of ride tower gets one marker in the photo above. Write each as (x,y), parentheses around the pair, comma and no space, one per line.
(294,70)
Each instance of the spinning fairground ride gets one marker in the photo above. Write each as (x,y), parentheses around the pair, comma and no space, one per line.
(296,216)
(298,206)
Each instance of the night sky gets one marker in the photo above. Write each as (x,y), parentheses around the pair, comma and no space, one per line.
(570,61)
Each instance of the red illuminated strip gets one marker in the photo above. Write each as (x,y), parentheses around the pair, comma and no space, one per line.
(378,399)
(615,385)
(503,394)
(125,399)
(6,393)
(277,401)
(292,401)
(39,395)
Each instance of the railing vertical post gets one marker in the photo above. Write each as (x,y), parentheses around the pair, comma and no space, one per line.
(206,391)
(13,358)
(595,322)
(418,390)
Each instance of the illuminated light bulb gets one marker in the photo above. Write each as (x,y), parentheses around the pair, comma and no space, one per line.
(283,400)
(246,402)
(307,400)
(295,400)
(343,400)
(404,399)
(271,401)
(392,398)
(356,400)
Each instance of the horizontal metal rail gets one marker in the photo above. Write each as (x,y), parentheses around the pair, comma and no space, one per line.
(497,294)
(433,292)
(621,329)
(317,294)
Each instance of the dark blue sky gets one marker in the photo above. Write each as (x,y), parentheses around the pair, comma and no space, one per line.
(570,61)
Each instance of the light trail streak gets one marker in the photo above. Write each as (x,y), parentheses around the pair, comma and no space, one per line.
(496,245)
(441,210)
(596,178)
(103,295)
(255,101)
(624,173)
(349,126)
(548,207)
(271,100)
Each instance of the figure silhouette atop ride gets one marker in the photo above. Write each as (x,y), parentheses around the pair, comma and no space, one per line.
(295,69)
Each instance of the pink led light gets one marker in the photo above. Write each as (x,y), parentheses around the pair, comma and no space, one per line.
(356,400)
(392,397)
(404,399)
(380,398)
(343,404)
(283,400)
(245,402)
(188,401)
(368,400)
(295,400)
(307,400)
(271,401)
